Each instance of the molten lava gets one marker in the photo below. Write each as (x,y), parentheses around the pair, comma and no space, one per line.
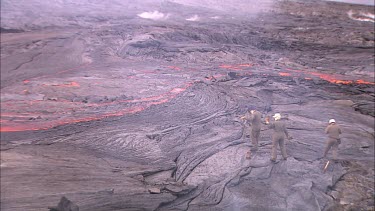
(284,74)
(336,79)
(41,114)
(236,67)
(360,81)
(51,113)
(71,84)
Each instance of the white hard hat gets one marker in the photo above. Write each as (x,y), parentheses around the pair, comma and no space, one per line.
(332,121)
(277,116)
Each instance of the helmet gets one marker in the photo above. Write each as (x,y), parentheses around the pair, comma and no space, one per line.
(277,116)
(332,121)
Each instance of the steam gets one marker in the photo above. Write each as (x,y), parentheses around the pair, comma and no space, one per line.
(156,15)
(369,15)
(233,6)
(194,18)
(361,16)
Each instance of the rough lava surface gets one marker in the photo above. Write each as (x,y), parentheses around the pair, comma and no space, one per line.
(137,106)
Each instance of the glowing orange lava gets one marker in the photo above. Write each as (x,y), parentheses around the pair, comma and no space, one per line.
(246,65)
(23,121)
(236,67)
(336,79)
(71,84)
(51,113)
(330,78)
(360,81)
(284,74)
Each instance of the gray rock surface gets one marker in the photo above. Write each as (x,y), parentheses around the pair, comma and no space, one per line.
(118,112)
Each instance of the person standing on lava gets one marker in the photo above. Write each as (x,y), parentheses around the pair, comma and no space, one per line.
(333,131)
(278,137)
(255,119)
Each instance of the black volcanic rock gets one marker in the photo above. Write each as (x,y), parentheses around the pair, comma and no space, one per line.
(127,105)
(65,205)
(4,30)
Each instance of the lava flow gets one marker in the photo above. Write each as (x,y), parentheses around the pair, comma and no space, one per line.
(336,79)
(65,112)
(236,67)
(71,84)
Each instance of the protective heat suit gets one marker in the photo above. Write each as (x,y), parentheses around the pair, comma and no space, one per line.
(333,131)
(278,137)
(255,119)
